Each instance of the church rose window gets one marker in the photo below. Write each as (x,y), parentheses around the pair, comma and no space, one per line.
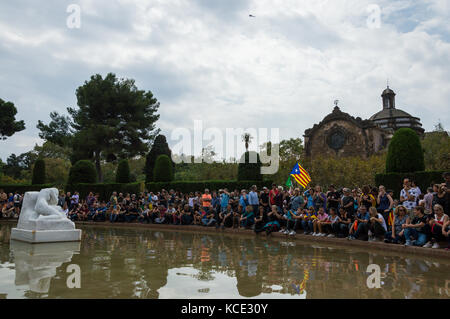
(336,139)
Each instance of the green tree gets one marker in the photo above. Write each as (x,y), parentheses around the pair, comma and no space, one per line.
(249,168)
(8,123)
(113,119)
(405,153)
(39,176)
(159,147)
(163,170)
(436,146)
(82,172)
(123,172)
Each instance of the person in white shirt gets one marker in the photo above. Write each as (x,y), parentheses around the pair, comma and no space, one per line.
(409,195)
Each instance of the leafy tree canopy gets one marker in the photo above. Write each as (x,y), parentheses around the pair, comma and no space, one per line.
(8,123)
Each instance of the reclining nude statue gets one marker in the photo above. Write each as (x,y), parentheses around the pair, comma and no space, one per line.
(41,212)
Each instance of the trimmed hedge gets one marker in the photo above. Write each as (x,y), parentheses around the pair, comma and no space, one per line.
(394,181)
(22,188)
(105,190)
(82,172)
(163,170)
(38,172)
(186,187)
(247,170)
(405,153)
(123,172)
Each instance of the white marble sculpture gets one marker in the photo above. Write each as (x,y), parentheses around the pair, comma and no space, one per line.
(42,220)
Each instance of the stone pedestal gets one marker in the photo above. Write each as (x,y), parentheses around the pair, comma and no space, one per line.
(45,236)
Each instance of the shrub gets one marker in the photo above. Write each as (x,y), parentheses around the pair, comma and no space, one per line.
(38,172)
(247,170)
(159,147)
(163,171)
(405,153)
(82,172)
(123,172)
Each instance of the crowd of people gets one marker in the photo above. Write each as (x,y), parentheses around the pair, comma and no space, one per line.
(369,213)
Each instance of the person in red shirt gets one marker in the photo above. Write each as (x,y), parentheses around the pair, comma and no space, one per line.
(273,192)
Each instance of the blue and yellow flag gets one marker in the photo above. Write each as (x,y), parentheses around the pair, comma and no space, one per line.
(300,175)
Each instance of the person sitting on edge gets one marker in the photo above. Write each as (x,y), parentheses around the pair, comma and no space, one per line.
(225,218)
(341,228)
(416,230)
(436,223)
(237,216)
(208,219)
(397,233)
(308,218)
(161,215)
(377,225)
(186,215)
(114,216)
(260,220)
(317,224)
(330,224)
(293,219)
(144,216)
(100,212)
(273,223)
(248,218)
(360,227)
(132,213)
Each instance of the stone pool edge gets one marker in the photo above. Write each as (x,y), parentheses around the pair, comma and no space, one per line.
(339,242)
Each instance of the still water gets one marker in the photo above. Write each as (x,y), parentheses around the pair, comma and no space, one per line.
(142,263)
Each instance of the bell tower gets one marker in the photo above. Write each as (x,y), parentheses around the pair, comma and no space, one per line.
(388,98)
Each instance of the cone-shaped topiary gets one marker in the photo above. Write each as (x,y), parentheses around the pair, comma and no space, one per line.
(159,147)
(249,168)
(38,172)
(163,171)
(82,172)
(123,172)
(405,153)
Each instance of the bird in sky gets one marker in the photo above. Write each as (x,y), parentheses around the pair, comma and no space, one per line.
(251,16)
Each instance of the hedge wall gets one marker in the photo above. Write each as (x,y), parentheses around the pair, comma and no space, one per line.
(186,187)
(394,181)
(22,188)
(105,190)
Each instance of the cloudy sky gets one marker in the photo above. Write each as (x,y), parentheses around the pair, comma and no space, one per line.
(207,59)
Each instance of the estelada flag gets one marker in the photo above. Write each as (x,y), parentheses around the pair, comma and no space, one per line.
(300,175)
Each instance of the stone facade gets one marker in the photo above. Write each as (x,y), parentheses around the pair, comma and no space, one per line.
(340,134)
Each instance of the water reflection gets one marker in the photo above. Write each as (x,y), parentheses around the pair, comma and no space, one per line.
(36,265)
(139,263)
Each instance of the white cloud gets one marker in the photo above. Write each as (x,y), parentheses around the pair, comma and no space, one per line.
(202,59)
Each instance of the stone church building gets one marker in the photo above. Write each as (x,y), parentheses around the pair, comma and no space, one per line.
(340,134)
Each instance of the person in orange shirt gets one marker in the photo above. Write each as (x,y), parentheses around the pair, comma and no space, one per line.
(206,200)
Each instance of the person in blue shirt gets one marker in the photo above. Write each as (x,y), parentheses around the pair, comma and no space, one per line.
(297,200)
(243,200)
(100,213)
(224,199)
(253,198)
(248,217)
(360,227)
(310,200)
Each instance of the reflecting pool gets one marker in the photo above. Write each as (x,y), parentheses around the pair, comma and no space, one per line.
(143,263)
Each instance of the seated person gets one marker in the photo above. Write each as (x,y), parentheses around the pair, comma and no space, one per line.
(308,218)
(209,218)
(293,219)
(8,210)
(397,233)
(260,219)
(345,221)
(132,213)
(322,217)
(415,231)
(144,214)
(100,213)
(330,224)
(437,221)
(360,227)
(187,217)
(114,216)
(225,218)
(237,216)
(377,225)
(274,218)
(161,215)
(248,217)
